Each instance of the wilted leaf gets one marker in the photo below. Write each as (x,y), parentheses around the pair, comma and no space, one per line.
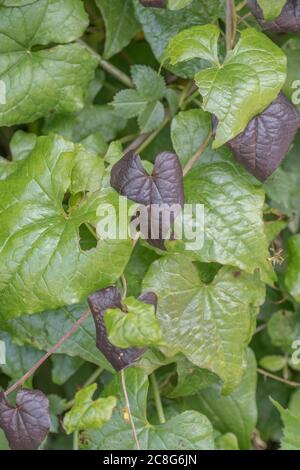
(266,140)
(88,414)
(288,20)
(27,424)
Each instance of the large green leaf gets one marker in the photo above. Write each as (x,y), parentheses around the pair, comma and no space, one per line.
(88,414)
(120,23)
(53,78)
(249,79)
(160,25)
(210,323)
(291,438)
(292,277)
(233,217)
(35,223)
(187,431)
(237,412)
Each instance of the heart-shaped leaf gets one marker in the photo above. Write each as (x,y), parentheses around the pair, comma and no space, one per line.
(27,424)
(163,188)
(99,302)
(287,22)
(266,140)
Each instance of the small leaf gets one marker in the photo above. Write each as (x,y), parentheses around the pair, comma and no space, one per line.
(288,20)
(151,117)
(129,103)
(99,302)
(164,186)
(149,84)
(27,424)
(266,140)
(89,414)
(291,436)
(137,327)
(273,363)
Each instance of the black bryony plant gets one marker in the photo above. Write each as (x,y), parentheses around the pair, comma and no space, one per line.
(27,424)
(266,140)
(287,22)
(99,302)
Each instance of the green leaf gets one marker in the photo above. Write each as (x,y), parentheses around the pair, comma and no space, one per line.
(187,431)
(271,8)
(87,172)
(138,327)
(291,437)
(89,414)
(120,24)
(212,323)
(161,25)
(233,207)
(294,405)
(227,441)
(273,363)
(292,276)
(129,103)
(63,367)
(56,408)
(178,4)
(151,117)
(44,330)
(149,84)
(188,130)
(291,87)
(235,413)
(59,73)
(35,222)
(196,42)
(284,329)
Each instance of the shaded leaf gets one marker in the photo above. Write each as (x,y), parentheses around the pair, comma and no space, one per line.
(27,424)
(153,3)
(63,367)
(292,275)
(88,414)
(284,329)
(148,82)
(288,20)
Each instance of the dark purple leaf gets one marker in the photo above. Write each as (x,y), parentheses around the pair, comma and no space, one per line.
(99,302)
(163,187)
(27,424)
(287,22)
(154,3)
(266,140)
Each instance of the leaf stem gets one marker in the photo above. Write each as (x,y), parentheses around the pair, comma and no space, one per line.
(230,24)
(107,66)
(54,348)
(124,286)
(123,381)
(157,399)
(279,379)
(196,155)
(241,5)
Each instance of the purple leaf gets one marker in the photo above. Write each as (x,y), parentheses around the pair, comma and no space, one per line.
(27,424)
(287,22)
(266,140)
(163,187)
(99,302)
(154,3)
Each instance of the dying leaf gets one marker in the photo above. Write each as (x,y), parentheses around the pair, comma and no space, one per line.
(163,187)
(99,302)
(287,22)
(27,424)
(266,140)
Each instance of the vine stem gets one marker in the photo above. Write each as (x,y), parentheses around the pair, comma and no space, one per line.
(230,24)
(279,379)
(123,381)
(54,348)
(157,399)
(107,66)
(196,155)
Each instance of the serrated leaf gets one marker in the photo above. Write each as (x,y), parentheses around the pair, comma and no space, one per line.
(209,323)
(120,24)
(129,103)
(137,327)
(89,414)
(37,222)
(27,424)
(59,74)
(150,84)
(233,206)
(151,117)
(292,276)
(285,15)
(187,431)
(273,363)
(291,437)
